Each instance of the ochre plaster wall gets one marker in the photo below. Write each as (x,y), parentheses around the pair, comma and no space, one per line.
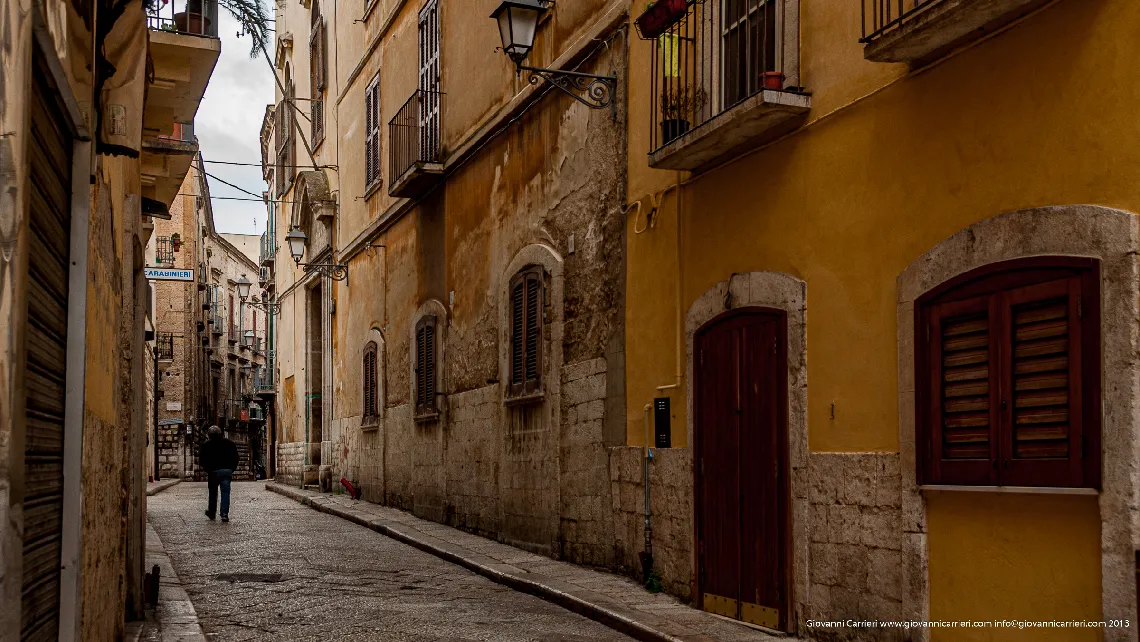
(1039,115)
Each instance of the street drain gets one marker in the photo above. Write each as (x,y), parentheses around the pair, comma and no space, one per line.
(250,577)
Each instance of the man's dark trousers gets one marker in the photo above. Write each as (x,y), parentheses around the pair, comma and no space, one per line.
(220,477)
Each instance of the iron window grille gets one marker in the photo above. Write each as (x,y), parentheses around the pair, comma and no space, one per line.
(164,251)
(164,346)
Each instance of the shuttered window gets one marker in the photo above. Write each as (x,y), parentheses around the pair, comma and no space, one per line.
(318,72)
(426,375)
(283,136)
(527,302)
(371,389)
(1009,376)
(372,132)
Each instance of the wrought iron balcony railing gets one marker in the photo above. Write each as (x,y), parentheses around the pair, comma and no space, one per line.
(164,346)
(192,17)
(414,135)
(882,16)
(710,56)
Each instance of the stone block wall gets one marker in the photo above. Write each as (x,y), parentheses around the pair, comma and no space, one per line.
(291,462)
(856,567)
(171,453)
(472,461)
(587,524)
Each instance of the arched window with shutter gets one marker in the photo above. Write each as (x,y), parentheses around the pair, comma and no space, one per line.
(1008,376)
(426,371)
(370,391)
(527,302)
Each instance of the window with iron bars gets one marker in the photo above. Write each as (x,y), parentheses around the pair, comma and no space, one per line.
(164,346)
(164,251)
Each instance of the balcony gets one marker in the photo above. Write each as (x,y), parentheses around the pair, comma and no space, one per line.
(918,31)
(268,251)
(184,47)
(724,78)
(415,155)
(164,346)
(215,319)
(263,381)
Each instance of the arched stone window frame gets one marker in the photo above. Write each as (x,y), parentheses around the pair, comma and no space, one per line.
(774,291)
(430,308)
(535,255)
(1113,237)
(376,345)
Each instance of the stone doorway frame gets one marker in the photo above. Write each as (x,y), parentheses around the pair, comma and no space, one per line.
(779,291)
(1113,237)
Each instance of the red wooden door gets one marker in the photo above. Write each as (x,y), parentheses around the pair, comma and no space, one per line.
(742,472)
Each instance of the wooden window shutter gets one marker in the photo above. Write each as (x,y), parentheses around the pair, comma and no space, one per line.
(370,380)
(527,302)
(425,359)
(1009,377)
(372,131)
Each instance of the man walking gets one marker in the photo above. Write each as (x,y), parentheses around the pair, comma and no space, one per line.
(219,457)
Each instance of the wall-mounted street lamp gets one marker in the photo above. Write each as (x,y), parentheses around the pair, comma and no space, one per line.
(297,241)
(247,338)
(518,24)
(243,287)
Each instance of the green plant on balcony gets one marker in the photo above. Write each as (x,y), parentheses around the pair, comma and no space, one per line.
(678,105)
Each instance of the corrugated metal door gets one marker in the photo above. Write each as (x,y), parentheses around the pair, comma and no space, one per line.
(742,478)
(49,250)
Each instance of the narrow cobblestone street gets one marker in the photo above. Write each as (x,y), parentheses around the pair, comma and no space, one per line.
(282,571)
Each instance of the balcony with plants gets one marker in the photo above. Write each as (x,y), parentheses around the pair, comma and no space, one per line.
(919,31)
(724,78)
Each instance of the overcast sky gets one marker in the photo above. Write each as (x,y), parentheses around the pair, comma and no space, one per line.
(228,126)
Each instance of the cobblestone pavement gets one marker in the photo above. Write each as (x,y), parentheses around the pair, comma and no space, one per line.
(281,571)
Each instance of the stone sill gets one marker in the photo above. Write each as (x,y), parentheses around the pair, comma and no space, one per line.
(1027,490)
(426,417)
(945,25)
(757,120)
(372,424)
(525,399)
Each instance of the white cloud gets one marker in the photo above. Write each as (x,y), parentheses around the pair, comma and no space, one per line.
(228,126)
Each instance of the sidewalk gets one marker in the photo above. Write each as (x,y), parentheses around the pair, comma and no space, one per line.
(175,619)
(154,488)
(613,600)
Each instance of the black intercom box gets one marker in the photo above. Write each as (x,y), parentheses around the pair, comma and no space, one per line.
(661,422)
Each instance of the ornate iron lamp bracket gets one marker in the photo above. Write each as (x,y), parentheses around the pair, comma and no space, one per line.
(593,91)
(334,271)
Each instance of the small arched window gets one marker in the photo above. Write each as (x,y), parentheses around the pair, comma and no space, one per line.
(526,308)
(370,392)
(426,359)
(1008,376)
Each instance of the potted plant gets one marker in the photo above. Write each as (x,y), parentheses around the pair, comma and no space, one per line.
(659,16)
(772,80)
(192,20)
(678,105)
(176,241)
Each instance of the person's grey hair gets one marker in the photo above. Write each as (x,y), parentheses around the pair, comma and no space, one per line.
(214,431)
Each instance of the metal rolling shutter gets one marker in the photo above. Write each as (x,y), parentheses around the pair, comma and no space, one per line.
(49,248)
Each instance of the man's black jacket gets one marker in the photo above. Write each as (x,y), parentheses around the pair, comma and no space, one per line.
(218,454)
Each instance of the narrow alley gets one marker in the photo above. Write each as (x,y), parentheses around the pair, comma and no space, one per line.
(281,571)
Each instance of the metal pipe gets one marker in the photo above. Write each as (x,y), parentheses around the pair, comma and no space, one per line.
(157,476)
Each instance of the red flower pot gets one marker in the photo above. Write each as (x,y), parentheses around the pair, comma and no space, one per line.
(772,80)
(663,14)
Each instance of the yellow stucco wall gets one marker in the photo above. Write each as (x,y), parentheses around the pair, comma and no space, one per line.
(1042,114)
(1030,546)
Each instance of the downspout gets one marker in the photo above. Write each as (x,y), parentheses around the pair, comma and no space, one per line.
(680,321)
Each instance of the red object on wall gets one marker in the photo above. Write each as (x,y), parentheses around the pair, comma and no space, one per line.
(353,491)
(657,19)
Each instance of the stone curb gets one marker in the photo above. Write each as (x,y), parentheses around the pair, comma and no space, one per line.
(158,487)
(615,617)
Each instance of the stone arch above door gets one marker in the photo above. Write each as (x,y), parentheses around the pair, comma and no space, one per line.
(778,291)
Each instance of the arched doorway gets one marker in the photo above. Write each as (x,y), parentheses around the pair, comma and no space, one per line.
(742,472)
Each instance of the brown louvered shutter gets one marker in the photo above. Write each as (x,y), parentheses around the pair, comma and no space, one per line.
(1010,378)
(1045,414)
(527,299)
(425,371)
